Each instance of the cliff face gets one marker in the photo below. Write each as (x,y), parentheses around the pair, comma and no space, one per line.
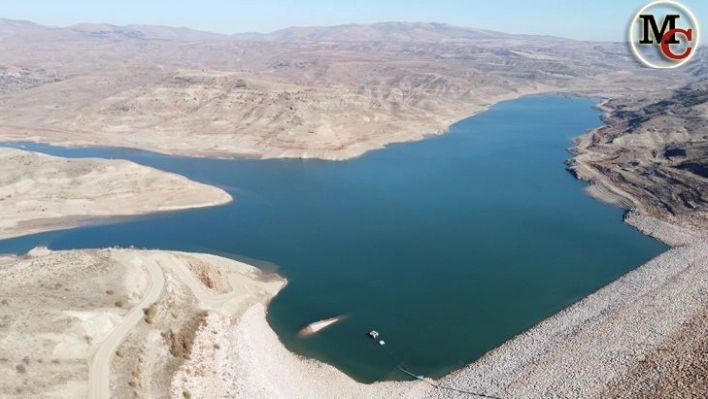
(655,150)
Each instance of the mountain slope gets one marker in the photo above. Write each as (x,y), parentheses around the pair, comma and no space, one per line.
(655,149)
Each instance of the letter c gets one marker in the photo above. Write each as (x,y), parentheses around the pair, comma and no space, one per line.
(666,49)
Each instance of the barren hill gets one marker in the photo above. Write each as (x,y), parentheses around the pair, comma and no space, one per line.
(385,32)
(655,150)
(332,92)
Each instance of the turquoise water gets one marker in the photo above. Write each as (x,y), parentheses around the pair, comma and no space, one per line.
(448,246)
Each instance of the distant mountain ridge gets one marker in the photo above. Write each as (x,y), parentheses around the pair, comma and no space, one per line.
(310,92)
(9,27)
(376,32)
(384,31)
(148,32)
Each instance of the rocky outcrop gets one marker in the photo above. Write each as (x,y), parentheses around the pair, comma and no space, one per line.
(653,150)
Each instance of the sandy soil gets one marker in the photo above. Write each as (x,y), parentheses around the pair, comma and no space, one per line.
(56,310)
(40,192)
(641,336)
(159,324)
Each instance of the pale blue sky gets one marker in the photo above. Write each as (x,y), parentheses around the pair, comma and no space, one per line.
(586,20)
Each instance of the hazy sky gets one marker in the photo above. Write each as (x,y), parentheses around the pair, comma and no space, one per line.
(587,20)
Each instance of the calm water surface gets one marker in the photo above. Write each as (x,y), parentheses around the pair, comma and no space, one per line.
(448,246)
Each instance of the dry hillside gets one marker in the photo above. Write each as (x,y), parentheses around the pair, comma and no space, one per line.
(331,92)
(655,150)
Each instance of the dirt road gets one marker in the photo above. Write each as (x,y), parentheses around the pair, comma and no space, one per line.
(100,365)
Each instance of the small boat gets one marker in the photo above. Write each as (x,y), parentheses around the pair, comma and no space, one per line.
(373,334)
(382,343)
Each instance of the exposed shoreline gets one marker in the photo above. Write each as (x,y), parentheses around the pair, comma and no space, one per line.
(39,135)
(576,353)
(40,192)
(314,328)
(332,93)
(579,352)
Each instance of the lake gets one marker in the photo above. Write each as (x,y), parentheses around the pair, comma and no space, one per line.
(447,246)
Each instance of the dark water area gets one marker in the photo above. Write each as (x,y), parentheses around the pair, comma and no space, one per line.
(448,246)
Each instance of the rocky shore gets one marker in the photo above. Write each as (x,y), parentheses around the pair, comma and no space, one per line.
(588,350)
(641,336)
(604,346)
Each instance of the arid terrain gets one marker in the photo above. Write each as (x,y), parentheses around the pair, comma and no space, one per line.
(652,159)
(129,323)
(168,324)
(654,154)
(329,93)
(40,192)
(118,321)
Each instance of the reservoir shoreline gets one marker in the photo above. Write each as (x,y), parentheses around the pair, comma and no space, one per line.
(20,134)
(581,341)
(584,351)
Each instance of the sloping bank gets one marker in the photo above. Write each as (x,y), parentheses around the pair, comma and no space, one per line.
(40,192)
(621,341)
(578,353)
(582,352)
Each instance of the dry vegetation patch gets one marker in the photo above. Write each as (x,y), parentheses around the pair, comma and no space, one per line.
(181,341)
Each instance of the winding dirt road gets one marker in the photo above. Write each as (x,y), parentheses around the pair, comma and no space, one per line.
(99,368)
(244,291)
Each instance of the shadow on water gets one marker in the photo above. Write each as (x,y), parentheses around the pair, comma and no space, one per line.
(448,246)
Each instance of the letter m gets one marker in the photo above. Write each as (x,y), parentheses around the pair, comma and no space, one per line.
(649,26)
